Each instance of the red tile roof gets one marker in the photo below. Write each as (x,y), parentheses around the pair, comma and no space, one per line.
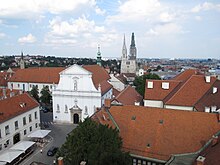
(105,86)
(128,96)
(159,133)
(192,90)
(185,75)
(157,92)
(11,107)
(99,74)
(38,75)
(3,78)
(211,154)
(115,92)
(210,99)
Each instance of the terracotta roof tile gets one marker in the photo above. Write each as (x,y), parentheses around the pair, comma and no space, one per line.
(99,74)
(115,92)
(211,154)
(105,86)
(128,96)
(159,133)
(38,75)
(11,107)
(192,90)
(185,75)
(157,92)
(210,99)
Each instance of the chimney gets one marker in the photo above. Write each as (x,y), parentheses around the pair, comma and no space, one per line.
(60,161)
(214,140)
(208,79)
(4,93)
(20,92)
(12,94)
(137,103)
(218,117)
(107,103)
(207,109)
(200,160)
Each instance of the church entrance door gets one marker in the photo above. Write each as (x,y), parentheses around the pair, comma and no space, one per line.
(76,118)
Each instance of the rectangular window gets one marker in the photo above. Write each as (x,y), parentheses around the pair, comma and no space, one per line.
(35,115)
(24,121)
(30,119)
(0,147)
(16,125)
(7,130)
(30,128)
(6,144)
(36,125)
(0,133)
(25,132)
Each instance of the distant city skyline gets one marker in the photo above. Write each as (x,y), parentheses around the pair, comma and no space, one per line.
(67,28)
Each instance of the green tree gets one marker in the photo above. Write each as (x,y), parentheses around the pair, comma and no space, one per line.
(45,95)
(35,92)
(140,81)
(94,143)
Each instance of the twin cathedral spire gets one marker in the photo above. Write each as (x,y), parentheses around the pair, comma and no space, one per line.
(128,62)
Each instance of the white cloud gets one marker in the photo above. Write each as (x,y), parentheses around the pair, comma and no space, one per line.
(198,18)
(2,35)
(166,17)
(77,31)
(136,10)
(27,39)
(99,11)
(73,28)
(205,7)
(33,8)
(165,29)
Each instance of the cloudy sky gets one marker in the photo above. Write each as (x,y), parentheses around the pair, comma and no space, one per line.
(74,28)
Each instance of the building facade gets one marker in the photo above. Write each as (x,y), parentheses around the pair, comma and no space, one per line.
(19,117)
(78,93)
(128,62)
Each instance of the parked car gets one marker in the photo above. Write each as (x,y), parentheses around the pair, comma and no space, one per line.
(52,151)
(44,109)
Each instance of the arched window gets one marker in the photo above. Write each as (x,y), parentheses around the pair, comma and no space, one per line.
(86,110)
(75,85)
(58,108)
(66,109)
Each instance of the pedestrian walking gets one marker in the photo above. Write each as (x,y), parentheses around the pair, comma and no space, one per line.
(41,151)
(54,162)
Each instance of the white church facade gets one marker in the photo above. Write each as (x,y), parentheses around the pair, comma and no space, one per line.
(80,91)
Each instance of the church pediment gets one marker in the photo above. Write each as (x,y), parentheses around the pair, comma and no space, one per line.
(75,70)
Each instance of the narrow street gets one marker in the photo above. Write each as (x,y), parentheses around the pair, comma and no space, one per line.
(56,138)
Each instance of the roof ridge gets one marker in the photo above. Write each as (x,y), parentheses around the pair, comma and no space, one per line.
(206,91)
(122,92)
(184,83)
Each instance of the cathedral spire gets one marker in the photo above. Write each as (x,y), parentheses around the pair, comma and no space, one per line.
(99,57)
(133,50)
(124,49)
(22,66)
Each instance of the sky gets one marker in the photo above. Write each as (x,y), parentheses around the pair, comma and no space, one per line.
(74,28)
